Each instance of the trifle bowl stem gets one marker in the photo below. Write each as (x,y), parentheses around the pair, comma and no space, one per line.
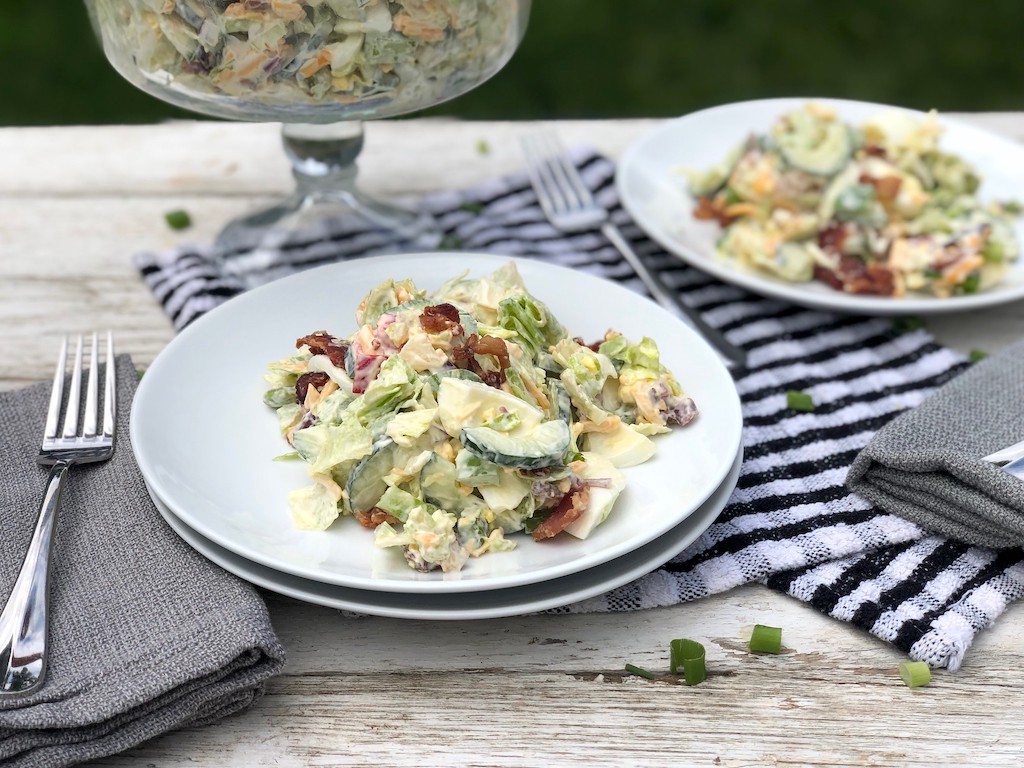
(326,201)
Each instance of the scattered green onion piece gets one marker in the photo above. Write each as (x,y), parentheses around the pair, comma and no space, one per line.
(178,219)
(907,324)
(915,673)
(993,252)
(639,672)
(483,147)
(765,639)
(970,284)
(799,401)
(472,207)
(687,655)
(976,355)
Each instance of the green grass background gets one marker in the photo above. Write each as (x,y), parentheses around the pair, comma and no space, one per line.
(614,58)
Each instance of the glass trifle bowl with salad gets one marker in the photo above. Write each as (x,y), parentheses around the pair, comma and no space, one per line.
(320,67)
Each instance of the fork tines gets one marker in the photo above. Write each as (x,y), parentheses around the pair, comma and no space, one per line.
(90,431)
(551,169)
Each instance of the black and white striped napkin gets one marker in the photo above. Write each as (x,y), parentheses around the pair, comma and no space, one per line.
(791,523)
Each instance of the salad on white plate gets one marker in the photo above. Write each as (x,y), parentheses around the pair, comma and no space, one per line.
(448,422)
(870,208)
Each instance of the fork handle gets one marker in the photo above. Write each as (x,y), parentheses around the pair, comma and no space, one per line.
(23,624)
(732,355)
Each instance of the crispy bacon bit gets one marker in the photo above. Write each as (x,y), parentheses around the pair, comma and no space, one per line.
(569,509)
(464,356)
(374,517)
(831,238)
(322,343)
(439,318)
(854,276)
(709,209)
(828,277)
(316,379)
(492,345)
(886,187)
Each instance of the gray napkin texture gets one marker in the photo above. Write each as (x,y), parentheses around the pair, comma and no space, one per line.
(926,466)
(146,635)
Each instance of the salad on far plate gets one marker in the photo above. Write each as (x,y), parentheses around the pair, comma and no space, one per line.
(448,422)
(874,209)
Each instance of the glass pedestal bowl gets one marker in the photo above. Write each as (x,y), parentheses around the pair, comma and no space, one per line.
(320,67)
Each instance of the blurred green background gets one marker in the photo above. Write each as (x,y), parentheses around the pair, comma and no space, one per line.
(605,58)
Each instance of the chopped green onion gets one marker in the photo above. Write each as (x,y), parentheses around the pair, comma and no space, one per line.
(639,672)
(140,371)
(915,673)
(483,148)
(472,207)
(907,324)
(687,655)
(765,639)
(178,219)
(970,284)
(993,252)
(799,401)
(976,355)
(451,242)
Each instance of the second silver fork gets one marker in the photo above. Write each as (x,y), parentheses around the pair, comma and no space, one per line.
(569,206)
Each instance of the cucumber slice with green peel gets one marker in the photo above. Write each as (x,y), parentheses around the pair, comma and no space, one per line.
(820,153)
(365,483)
(545,446)
(439,486)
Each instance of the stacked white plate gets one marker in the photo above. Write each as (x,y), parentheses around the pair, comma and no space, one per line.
(205,441)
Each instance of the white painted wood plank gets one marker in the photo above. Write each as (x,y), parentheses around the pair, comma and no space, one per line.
(77,202)
(548,690)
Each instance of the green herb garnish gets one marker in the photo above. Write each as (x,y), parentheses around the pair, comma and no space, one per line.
(799,401)
(178,219)
(765,639)
(907,324)
(483,147)
(687,655)
(977,354)
(639,671)
(915,673)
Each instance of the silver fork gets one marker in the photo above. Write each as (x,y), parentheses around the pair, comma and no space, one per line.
(23,624)
(570,207)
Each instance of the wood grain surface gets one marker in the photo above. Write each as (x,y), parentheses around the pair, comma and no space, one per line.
(548,690)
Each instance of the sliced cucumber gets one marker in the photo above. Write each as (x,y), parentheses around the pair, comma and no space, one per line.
(439,486)
(816,147)
(365,483)
(545,446)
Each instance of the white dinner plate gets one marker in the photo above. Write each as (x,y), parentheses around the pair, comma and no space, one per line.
(654,192)
(204,440)
(511,601)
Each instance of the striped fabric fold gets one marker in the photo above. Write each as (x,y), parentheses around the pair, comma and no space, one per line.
(790,523)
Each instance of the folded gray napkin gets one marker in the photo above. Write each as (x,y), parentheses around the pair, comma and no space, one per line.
(146,635)
(926,465)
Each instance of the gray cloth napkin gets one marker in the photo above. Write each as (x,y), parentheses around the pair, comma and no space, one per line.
(926,465)
(147,636)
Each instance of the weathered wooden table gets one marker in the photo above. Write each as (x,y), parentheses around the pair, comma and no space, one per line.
(75,203)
